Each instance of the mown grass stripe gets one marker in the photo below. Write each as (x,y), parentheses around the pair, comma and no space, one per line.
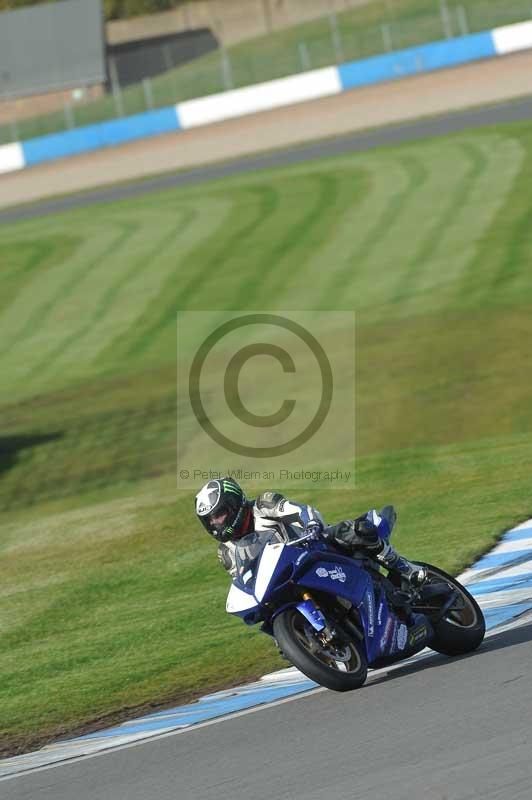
(212,217)
(78,345)
(68,275)
(390,260)
(265,203)
(457,252)
(519,244)
(371,286)
(271,291)
(453,207)
(357,267)
(492,256)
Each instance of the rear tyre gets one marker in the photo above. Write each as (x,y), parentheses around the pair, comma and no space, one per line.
(338,666)
(463,627)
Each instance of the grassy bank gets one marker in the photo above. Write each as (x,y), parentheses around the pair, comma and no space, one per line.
(111,596)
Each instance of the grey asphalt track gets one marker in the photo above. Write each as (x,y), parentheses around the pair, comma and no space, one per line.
(517,110)
(443,729)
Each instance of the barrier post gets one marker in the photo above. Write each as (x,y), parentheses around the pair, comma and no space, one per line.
(336,37)
(446,20)
(463,25)
(225,69)
(148,94)
(167,57)
(267,12)
(115,88)
(387,37)
(69,115)
(13,125)
(304,57)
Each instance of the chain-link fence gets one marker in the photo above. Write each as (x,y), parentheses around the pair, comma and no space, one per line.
(337,36)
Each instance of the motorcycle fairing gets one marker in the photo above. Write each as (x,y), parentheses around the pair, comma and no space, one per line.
(381,626)
(385,635)
(274,560)
(241,603)
(336,576)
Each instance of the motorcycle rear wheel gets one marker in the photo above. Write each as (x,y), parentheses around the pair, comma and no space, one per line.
(463,627)
(337,666)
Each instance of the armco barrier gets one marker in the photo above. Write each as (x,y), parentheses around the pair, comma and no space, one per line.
(273,94)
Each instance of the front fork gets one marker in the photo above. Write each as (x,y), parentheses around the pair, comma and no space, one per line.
(312,613)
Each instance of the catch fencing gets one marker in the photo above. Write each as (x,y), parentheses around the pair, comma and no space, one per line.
(273,94)
(294,37)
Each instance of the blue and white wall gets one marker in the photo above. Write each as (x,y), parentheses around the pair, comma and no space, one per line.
(273,94)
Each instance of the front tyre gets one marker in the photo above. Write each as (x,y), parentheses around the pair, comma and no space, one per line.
(463,627)
(340,666)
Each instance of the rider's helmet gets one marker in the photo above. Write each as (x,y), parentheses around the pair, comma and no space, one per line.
(223,509)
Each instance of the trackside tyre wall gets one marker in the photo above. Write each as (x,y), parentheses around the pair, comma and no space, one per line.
(309,664)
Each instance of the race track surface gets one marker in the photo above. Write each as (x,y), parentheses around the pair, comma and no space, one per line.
(441,729)
(514,111)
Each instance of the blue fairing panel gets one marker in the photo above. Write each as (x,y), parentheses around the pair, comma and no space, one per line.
(337,576)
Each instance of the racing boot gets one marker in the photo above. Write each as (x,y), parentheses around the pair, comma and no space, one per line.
(390,558)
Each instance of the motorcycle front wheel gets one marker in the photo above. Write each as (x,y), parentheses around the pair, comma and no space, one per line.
(340,666)
(463,627)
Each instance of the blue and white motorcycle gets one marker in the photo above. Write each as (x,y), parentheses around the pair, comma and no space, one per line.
(333,615)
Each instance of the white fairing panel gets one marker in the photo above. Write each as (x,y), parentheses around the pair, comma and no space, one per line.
(268,561)
(237,600)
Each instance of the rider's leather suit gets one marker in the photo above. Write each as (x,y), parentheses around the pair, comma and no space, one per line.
(368,534)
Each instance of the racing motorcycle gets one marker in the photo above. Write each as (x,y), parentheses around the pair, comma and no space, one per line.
(333,616)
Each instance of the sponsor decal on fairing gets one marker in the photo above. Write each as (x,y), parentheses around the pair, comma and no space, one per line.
(402,636)
(371,613)
(387,631)
(336,574)
(417,635)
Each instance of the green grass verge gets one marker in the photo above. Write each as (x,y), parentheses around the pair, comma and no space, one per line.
(110,595)
(360,35)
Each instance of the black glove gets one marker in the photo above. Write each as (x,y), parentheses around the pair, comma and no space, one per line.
(225,558)
(356,534)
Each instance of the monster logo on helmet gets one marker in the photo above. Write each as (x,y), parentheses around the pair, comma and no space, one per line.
(221,507)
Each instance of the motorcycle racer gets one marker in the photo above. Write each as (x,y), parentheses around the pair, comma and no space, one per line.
(226,514)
